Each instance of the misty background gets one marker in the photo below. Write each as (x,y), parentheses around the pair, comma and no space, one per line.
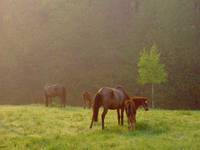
(88,44)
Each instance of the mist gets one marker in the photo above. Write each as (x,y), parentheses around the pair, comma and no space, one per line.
(85,45)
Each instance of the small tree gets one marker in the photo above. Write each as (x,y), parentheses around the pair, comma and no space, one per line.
(150,70)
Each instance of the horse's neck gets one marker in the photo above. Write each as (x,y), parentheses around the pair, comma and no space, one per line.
(125,95)
(137,104)
(123,92)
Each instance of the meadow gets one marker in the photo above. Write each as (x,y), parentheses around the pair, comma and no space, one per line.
(36,127)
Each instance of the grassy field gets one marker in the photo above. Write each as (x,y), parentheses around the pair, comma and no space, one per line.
(37,127)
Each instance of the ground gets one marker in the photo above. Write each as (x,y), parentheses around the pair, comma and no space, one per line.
(37,127)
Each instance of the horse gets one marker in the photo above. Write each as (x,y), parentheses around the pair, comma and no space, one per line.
(87,99)
(51,91)
(140,101)
(130,109)
(109,98)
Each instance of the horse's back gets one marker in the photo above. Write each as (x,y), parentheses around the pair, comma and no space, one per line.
(108,93)
(54,90)
(111,97)
(86,96)
(140,98)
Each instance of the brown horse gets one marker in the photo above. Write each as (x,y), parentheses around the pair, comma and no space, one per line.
(140,101)
(53,91)
(87,99)
(109,98)
(131,114)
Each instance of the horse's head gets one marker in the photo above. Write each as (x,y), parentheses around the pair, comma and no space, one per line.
(145,104)
(141,102)
(131,114)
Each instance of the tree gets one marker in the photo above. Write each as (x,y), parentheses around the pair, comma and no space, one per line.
(150,70)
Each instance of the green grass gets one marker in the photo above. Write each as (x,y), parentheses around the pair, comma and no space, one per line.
(38,127)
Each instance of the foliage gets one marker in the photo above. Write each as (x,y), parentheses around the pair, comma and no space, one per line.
(87,44)
(151,71)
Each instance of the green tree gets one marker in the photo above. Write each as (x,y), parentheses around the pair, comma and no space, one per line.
(150,70)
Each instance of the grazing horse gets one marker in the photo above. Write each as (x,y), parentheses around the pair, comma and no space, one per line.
(140,101)
(109,98)
(87,100)
(53,91)
(130,109)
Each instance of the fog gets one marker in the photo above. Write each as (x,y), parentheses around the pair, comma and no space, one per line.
(85,45)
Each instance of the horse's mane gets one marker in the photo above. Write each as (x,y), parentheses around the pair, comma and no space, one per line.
(124,91)
(139,100)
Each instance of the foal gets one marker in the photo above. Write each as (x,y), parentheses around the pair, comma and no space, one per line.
(131,114)
(140,101)
(87,100)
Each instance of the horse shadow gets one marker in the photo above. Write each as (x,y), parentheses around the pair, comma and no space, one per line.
(142,129)
(151,129)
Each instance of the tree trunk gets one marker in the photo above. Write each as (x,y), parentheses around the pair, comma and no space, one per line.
(152,96)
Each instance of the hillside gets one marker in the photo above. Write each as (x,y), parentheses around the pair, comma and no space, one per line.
(38,127)
(86,44)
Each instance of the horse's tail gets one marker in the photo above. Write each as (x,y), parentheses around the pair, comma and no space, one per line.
(96,105)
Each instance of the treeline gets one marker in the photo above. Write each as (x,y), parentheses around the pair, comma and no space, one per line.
(87,44)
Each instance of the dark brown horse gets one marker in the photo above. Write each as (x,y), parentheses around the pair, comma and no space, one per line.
(130,109)
(109,98)
(140,101)
(87,99)
(53,91)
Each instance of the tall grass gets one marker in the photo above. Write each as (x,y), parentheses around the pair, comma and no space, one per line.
(38,127)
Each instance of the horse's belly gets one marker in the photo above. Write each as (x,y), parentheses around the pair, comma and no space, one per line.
(114,106)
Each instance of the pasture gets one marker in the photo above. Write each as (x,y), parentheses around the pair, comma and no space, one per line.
(39,128)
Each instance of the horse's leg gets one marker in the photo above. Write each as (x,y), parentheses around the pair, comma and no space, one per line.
(62,101)
(50,101)
(103,116)
(129,127)
(92,119)
(84,105)
(134,127)
(118,116)
(122,116)
(90,104)
(91,123)
(64,97)
(46,100)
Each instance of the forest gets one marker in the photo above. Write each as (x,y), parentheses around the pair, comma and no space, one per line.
(88,44)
